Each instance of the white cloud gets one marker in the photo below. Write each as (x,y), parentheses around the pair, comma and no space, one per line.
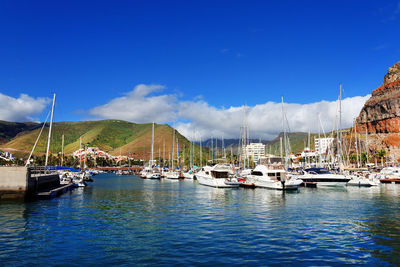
(264,120)
(140,106)
(23,108)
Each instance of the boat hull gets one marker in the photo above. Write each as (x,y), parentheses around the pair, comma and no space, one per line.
(325,180)
(216,182)
(271,184)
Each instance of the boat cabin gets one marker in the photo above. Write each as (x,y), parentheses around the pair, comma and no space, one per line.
(276,173)
(219,174)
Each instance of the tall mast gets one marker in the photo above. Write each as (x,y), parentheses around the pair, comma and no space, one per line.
(244,139)
(80,154)
(223,148)
(201,154)
(356,145)
(194,157)
(340,128)
(37,140)
(152,145)
(177,153)
(309,146)
(284,132)
(62,150)
(216,148)
(51,125)
(163,153)
(173,151)
(366,142)
(231,155)
(86,158)
(212,145)
(319,142)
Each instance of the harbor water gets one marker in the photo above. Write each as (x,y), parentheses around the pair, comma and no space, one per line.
(125,220)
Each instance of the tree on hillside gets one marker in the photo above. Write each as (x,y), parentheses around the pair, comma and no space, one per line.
(381,154)
(364,157)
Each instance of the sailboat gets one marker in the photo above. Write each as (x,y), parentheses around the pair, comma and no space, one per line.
(153,172)
(173,174)
(322,176)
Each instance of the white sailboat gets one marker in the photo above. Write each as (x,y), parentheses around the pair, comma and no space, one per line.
(153,172)
(171,173)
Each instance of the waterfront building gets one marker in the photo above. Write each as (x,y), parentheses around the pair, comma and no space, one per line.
(322,144)
(255,151)
(308,153)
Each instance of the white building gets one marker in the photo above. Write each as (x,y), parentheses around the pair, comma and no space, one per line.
(307,153)
(255,151)
(322,144)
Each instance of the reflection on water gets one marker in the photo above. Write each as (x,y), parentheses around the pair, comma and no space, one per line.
(128,220)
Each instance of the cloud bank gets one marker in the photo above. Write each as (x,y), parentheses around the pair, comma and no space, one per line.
(264,120)
(23,108)
(140,106)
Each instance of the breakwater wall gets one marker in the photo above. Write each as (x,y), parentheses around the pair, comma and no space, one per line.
(24,182)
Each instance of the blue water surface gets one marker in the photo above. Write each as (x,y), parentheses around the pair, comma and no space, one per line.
(125,220)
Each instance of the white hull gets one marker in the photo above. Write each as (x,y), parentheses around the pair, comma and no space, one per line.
(216,182)
(154,176)
(364,182)
(172,175)
(271,184)
(325,179)
(188,175)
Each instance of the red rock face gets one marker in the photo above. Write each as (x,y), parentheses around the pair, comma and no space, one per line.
(391,125)
(381,113)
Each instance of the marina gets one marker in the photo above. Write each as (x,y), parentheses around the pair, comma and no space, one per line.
(126,220)
(199,133)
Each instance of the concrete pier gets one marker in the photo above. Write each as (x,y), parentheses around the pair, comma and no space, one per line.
(24,182)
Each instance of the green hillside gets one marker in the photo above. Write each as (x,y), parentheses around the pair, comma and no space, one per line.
(8,130)
(112,136)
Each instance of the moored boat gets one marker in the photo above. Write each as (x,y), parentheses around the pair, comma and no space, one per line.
(272,176)
(323,177)
(217,176)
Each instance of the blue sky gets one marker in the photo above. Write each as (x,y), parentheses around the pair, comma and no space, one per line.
(222,53)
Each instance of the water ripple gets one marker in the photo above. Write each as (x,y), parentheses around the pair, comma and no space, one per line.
(124,220)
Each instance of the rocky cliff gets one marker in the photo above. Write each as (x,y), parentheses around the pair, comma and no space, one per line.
(380,116)
(381,113)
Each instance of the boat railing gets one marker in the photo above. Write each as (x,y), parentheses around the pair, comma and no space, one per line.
(38,170)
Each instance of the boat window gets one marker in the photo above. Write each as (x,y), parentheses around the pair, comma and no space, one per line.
(323,171)
(317,171)
(271,174)
(219,174)
(256,173)
(278,175)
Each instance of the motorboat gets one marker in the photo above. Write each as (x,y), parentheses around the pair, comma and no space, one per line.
(362,179)
(78,180)
(272,176)
(323,177)
(188,175)
(146,172)
(155,174)
(174,175)
(217,176)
